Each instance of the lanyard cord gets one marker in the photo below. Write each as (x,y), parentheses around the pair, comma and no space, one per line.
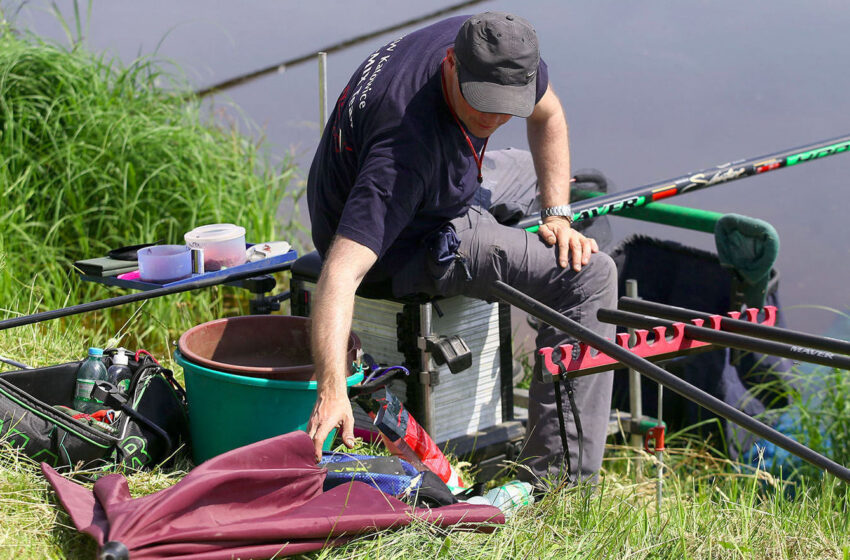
(479,159)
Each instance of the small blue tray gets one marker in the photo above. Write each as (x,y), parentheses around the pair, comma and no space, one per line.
(260,267)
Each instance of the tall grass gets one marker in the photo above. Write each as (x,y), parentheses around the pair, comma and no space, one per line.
(709,511)
(94,155)
(815,411)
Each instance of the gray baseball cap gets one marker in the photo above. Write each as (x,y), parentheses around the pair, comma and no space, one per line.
(497,57)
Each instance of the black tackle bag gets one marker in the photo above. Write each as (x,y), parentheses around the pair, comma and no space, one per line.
(36,418)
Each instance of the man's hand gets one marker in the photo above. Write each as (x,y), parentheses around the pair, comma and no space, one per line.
(572,245)
(332,410)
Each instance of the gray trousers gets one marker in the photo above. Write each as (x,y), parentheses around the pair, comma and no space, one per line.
(520,259)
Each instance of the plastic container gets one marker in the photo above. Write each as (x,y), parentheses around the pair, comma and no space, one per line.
(119,373)
(510,497)
(223,245)
(227,411)
(91,370)
(164,263)
(267,346)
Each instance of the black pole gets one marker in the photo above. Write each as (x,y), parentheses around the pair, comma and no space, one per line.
(737,326)
(14,363)
(695,180)
(562,423)
(715,405)
(286,64)
(130,298)
(732,340)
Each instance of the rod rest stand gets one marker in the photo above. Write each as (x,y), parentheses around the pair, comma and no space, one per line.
(661,347)
(259,286)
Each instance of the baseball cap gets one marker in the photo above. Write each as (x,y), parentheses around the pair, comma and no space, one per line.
(497,57)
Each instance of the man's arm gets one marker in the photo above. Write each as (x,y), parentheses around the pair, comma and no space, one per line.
(346,264)
(549,143)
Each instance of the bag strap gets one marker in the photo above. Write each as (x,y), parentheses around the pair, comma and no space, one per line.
(148,362)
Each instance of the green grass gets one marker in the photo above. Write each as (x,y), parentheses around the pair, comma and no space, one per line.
(707,512)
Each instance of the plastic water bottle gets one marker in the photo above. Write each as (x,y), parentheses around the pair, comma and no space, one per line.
(119,373)
(508,498)
(91,371)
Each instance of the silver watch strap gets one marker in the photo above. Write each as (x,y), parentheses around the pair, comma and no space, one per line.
(560,210)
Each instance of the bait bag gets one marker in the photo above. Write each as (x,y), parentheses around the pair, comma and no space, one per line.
(143,428)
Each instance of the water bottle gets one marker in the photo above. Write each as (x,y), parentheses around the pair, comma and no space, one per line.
(508,498)
(119,373)
(91,370)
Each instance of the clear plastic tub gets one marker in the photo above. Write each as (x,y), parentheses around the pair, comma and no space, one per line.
(164,263)
(223,245)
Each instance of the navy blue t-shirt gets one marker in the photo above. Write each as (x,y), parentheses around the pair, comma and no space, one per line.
(393,165)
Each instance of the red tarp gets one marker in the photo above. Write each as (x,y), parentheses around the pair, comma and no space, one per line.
(257,501)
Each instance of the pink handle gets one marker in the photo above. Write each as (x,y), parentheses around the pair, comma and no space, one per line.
(134,275)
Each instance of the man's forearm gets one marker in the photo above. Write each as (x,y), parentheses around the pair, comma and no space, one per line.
(331,324)
(345,266)
(548,139)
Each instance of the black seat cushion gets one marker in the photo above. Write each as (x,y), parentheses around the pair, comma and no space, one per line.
(309,266)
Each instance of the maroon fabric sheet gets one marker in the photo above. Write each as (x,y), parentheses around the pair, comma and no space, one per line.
(258,501)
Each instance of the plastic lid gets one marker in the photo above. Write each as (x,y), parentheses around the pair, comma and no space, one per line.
(120,358)
(95,351)
(215,232)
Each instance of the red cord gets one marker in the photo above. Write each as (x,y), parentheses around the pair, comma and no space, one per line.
(140,352)
(479,159)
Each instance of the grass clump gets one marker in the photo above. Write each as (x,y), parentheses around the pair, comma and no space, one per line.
(94,155)
(710,510)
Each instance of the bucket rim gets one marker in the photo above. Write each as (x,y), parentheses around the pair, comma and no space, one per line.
(236,379)
(353,350)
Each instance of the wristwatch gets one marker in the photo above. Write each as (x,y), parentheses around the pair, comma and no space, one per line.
(563,210)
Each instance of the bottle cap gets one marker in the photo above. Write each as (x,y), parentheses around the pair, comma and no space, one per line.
(95,351)
(120,358)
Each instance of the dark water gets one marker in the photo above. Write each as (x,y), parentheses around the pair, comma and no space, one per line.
(651,90)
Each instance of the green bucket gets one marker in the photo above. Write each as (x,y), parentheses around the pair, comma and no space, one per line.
(227,411)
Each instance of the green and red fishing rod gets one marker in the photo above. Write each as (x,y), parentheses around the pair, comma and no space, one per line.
(724,173)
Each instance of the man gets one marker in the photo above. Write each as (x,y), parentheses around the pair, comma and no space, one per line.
(395,196)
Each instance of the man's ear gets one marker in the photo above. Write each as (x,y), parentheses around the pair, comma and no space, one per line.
(450,56)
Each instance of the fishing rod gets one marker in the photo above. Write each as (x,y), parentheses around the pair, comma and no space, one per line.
(662,377)
(750,328)
(282,66)
(140,296)
(14,363)
(732,340)
(724,173)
